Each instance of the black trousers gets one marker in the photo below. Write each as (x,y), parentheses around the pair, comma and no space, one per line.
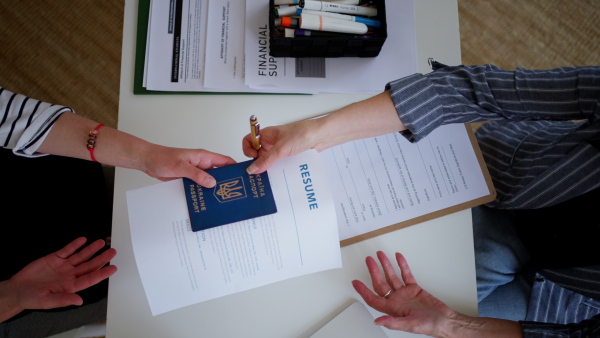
(46,203)
(563,235)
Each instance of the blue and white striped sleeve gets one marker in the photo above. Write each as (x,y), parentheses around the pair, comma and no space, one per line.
(586,328)
(465,94)
(25,122)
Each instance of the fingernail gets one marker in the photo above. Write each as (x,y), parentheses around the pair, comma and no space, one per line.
(251,169)
(210,182)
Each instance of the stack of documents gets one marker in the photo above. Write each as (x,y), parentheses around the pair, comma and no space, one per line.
(345,194)
(223,46)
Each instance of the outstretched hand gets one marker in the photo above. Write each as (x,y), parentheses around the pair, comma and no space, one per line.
(409,307)
(279,142)
(53,280)
(371,117)
(114,147)
(166,163)
(412,309)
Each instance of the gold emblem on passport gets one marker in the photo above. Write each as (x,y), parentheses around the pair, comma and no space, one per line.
(230,190)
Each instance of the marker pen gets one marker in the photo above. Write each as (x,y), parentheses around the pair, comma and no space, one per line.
(289,32)
(286,2)
(369,22)
(337,8)
(323,23)
(286,11)
(306,32)
(287,21)
(347,2)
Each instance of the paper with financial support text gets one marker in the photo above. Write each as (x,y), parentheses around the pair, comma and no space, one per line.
(398,57)
(179,267)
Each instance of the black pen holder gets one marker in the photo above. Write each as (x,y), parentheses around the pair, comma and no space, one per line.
(342,45)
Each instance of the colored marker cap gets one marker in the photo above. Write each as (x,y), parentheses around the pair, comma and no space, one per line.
(301,32)
(369,22)
(287,21)
(289,32)
(286,11)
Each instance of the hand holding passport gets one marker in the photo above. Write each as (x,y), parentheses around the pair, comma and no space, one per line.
(237,196)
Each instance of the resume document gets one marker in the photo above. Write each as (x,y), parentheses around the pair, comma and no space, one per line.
(179,267)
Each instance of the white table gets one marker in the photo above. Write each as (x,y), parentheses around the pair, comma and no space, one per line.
(440,251)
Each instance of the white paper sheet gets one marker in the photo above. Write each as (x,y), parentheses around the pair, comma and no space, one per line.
(164,47)
(179,267)
(385,180)
(354,322)
(224,63)
(224,47)
(397,58)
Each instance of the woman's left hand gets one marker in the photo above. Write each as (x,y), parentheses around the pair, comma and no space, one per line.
(409,307)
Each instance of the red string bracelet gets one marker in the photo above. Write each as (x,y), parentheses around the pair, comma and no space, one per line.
(91,142)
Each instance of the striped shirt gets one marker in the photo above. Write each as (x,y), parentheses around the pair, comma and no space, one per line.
(25,122)
(542,144)
(587,328)
(564,303)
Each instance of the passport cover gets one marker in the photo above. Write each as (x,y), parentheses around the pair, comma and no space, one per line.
(237,196)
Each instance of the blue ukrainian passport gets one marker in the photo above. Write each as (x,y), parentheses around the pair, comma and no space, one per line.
(237,196)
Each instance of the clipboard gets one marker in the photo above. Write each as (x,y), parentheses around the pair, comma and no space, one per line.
(442,212)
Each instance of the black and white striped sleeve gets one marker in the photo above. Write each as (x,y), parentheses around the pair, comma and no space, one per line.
(465,94)
(25,122)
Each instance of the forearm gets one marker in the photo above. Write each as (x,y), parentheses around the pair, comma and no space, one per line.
(372,117)
(459,325)
(8,306)
(69,136)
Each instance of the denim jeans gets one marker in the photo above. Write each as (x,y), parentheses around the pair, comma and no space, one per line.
(510,246)
(501,261)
